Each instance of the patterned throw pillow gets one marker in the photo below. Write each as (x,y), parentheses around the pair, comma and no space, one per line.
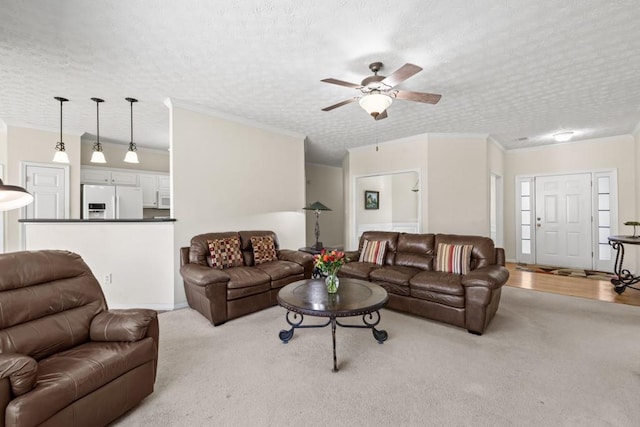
(225,253)
(453,258)
(373,251)
(264,249)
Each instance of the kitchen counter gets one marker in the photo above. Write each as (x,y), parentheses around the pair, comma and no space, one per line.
(100,220)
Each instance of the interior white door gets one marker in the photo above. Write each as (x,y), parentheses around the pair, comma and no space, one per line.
(563,220)
(47,184)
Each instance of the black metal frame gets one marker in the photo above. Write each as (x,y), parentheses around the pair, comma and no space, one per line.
(624,277)
(379,335)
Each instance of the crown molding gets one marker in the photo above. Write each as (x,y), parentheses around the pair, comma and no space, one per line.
(56,131)
(560,144)
(173,103)
(636,130)
(496,143)
(91,141)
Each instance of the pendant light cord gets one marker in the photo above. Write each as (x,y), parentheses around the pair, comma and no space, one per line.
(61,120)
(131,103)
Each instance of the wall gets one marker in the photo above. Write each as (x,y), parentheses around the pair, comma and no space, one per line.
(229,175)
(603,153)
(34,145)
(139,262)
(383,184)
(325,184)
(405,200)
(150,159)
(454,179)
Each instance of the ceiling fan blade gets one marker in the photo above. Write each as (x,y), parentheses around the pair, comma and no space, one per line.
(339,104)
(401,74)
(382,115)
(341,83)
(428,98)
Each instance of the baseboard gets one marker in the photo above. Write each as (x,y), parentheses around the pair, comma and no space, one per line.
(511,260)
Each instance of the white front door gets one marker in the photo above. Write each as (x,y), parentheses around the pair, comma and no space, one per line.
(563,220)
(48,185)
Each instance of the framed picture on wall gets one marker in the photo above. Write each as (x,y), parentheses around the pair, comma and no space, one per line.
(371,199)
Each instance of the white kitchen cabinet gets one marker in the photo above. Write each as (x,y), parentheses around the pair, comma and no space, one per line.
(108,177)
(95,176)
(164,183)
(149,185)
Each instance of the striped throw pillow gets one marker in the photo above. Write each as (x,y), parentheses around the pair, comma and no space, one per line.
(453,258)
(373,251)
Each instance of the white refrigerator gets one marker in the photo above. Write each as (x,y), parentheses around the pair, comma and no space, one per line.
(111,202)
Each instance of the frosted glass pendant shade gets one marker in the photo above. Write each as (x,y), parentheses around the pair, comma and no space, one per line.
(98,157)
(375,103)
(131,157)
(61,157)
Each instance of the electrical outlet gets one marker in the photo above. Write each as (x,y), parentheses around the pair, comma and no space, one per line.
(107,279)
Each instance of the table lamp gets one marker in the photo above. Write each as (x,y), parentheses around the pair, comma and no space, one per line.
(316,208)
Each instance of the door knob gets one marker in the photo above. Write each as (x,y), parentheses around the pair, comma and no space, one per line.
(539,225)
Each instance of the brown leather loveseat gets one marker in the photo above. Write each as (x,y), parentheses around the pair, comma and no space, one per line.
(65,360)
(222,294)
(408,273)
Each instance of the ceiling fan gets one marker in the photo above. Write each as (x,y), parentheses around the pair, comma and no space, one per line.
(378,91)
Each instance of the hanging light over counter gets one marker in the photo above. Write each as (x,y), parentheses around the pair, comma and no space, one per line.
(60,155)
(131,156)
(97,156)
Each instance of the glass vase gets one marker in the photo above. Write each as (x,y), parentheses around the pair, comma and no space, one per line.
(333,283)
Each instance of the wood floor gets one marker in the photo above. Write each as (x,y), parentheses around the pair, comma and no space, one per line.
(574,286)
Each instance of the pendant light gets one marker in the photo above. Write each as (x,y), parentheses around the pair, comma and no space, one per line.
(13,197)
(98,155)
(60,155)
(131,156)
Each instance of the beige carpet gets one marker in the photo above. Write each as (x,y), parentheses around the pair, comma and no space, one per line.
(545,360)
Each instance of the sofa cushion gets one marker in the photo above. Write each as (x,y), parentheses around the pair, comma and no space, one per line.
(437,281)
(454,259)
(70,375)
(373,251)
(225,252)
(396,274)
(264,249)
(391,237)
(483,253)
(415,250)
(456,301)
(279,269)
(246,277)
(357,270)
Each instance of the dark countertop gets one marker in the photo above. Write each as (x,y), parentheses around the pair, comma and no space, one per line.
(99,220)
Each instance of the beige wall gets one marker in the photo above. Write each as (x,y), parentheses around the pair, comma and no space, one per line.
(229,176)
(584,156)
(33,145)
(325,184)
(458,179)
(150,160)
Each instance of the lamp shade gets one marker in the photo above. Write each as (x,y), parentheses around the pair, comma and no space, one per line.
(375,103)
(98,157)
(131,157)
(61,157)
(13,197)
(317,206)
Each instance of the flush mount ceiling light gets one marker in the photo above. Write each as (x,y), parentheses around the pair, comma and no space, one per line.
(98,155)
(13,197)
(131,156)
(563,136)
(60,155)
(375,103)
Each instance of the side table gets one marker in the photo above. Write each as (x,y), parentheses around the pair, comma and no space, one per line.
(624,279)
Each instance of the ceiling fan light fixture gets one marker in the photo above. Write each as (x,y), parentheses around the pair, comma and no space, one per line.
(60,155)
(131,156)
(13,197)
(375,103)
(563,136)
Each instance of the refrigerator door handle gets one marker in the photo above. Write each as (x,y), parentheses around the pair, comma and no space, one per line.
(114,201)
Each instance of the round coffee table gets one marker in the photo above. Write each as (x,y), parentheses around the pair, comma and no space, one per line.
(354,298)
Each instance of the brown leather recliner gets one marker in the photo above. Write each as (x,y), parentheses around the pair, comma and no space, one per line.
(469,301)
(221,295)
(65,359)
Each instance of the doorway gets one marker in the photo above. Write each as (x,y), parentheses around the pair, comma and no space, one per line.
(49,185)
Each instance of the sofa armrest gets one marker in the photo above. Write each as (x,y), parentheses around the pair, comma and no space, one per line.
(298,257)
(121,325)
(21,370)
(201,275)
(351,256)
(302,258)
(491,276)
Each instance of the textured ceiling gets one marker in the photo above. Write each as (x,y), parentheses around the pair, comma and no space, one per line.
(510,69)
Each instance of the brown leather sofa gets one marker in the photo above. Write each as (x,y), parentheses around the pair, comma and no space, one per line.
(221,295)
(469,301)
(65,359)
